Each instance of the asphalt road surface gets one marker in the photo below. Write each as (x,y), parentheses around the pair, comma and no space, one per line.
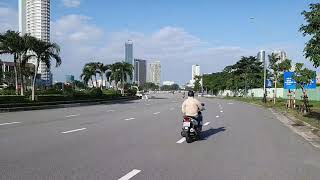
(140,140)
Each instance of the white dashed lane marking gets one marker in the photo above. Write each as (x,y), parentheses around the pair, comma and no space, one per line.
(206,124)
(9,123)
(156,113)
(181,140)
(217,116)
(75,130)
(129,119)
(130,175)
(73,115)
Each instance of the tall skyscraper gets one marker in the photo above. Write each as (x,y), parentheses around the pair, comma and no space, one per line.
(129,52)
(140,71)
(195,71)
(282,55)
(34,19)
(261,56)
(154,73)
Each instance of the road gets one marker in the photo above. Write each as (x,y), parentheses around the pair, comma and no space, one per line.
(140,140)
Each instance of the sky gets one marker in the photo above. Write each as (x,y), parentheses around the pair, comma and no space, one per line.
(179,33)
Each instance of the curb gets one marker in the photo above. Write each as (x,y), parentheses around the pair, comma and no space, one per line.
(64,105)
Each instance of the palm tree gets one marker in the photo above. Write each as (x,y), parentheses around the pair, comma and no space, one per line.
(101,69)
(87,73)
(44,52)
(9,44)
(121,72)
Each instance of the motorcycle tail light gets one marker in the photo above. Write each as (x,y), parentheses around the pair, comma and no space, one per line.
(186,119)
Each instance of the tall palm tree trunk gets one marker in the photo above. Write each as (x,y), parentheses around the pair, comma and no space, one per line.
(34,82)
(16,79)
(21,80)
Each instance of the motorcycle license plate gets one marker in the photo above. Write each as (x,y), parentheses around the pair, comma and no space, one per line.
(186,124)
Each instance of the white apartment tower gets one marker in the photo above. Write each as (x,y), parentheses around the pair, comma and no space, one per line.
(154,73)
(34,19)
(195,71)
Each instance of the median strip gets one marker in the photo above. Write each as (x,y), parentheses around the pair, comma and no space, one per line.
(3,124)
(130,175)
(75,130)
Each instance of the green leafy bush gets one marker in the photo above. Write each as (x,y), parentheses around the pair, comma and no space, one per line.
(7,91)
(6,99)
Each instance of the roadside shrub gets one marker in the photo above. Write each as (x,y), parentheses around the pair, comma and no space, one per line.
(110,93)
(131,92)
(49,92)
(6,99)
(7,91)
(51,98)
(95,92)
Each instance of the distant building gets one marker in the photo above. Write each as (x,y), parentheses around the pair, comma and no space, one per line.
(262,56)
(69,78)
(129,52)
(140,71)
(194,73)
(154,72)
(282,55)
(6,67)
(168,83)
(34,19)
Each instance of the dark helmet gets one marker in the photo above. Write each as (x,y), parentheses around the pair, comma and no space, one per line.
(191,94)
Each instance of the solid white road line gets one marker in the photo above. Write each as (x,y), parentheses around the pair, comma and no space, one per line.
(206,124)
(3,124)
(130,174)
(156,113)
(217,116)
(75,130)
(72,115)
(230,103)
(181,140)
(129,119)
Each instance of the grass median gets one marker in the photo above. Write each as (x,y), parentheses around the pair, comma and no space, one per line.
(312,118)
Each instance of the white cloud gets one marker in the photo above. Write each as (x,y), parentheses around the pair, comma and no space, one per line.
(72,3)
(8,19)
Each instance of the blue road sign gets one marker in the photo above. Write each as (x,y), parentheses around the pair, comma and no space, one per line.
(290,83)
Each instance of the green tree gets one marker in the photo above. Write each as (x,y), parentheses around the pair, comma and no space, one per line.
(197,84)
(303,76)
(102,69)
(44,52)
(9,44)
(278,67)
(88,71)
(312,29)
(121,72)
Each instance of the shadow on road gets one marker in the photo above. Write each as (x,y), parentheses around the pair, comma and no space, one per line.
(210,132)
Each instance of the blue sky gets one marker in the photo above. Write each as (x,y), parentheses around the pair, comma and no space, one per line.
(179,33)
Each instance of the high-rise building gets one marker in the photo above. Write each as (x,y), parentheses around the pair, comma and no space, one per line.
(195,71)
(262,56)
(282,55)
(140,71)
(154,72)
(69,78)
(129,52)
(34,19)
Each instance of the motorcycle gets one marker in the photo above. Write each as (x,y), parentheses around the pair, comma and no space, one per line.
(191,128)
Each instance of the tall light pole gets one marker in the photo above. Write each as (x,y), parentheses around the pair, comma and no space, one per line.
(262,58)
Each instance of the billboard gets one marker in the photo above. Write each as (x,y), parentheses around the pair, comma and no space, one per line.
(290,83)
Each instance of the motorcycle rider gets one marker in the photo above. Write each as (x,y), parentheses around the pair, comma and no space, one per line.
(191,107)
